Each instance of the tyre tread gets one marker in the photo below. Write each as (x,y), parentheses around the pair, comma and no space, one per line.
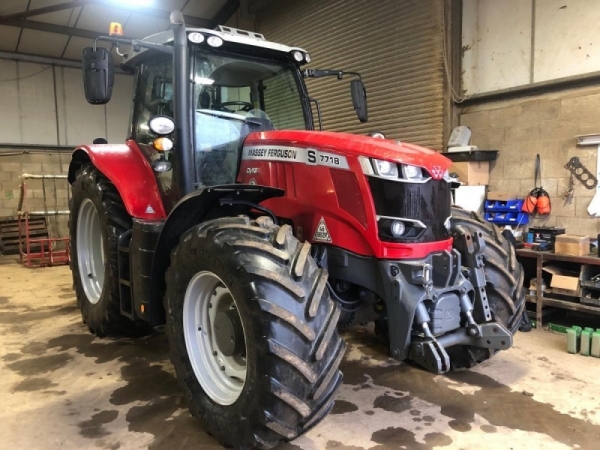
(301,343)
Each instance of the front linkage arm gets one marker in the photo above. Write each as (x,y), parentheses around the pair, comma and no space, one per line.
(430,352)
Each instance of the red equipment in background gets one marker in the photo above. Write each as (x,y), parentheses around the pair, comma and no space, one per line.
(45,251)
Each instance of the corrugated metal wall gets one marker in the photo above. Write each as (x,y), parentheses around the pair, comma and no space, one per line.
(44,104)
(395,44)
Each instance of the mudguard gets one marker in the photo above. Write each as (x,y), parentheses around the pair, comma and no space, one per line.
(129,171)
(194,208)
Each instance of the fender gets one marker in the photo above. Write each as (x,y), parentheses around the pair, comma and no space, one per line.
(127,168)
(194,208)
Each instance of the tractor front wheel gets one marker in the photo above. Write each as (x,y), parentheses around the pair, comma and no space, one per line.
(97,219)
(252,331)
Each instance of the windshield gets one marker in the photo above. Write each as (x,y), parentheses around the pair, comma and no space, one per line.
(232,98)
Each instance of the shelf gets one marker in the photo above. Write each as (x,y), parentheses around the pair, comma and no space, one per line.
(473,155)
(541,301)
(531,298)
(571,305)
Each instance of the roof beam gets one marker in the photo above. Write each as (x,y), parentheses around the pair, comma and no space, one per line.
(51,28)
(146,11)
(44,10)
(223,15)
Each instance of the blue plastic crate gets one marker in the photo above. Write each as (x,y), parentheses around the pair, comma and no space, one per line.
(489,205)
(514,205)
(503,206)
(507,218)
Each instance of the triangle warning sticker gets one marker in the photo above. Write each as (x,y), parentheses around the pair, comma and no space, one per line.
(150,210)
(322,233)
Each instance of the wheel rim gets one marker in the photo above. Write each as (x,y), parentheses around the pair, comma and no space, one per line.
(90,251)
(222,377)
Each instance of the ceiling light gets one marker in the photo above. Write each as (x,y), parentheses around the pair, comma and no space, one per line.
(134,3)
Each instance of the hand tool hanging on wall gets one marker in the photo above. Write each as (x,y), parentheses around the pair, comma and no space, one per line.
(537,203)
(580,172)
(569,193)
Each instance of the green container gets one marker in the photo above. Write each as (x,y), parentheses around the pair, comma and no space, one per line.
(558,328)
(586,342)
(596,344)
(572,340)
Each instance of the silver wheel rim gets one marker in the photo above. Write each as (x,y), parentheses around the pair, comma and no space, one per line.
(222,377)
(90,251)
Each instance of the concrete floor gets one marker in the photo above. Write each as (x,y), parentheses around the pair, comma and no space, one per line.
(62,388)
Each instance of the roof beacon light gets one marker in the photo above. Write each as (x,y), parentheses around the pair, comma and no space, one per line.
(116,29)
(214,41)
(196,37)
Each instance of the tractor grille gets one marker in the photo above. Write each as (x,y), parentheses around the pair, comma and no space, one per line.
(428,203)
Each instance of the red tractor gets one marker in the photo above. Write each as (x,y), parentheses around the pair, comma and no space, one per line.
(251,246)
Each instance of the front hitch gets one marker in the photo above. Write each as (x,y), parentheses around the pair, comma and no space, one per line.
(430,352)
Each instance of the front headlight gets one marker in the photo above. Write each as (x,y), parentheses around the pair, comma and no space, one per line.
(411,172)
(385,168)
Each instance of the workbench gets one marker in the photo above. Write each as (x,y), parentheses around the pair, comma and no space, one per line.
(542,300)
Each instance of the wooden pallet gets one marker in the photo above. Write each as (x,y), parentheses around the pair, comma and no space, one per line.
(9,233)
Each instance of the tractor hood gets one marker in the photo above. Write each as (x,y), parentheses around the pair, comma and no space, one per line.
(356,145)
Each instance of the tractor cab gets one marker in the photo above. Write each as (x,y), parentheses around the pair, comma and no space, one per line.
(235,82)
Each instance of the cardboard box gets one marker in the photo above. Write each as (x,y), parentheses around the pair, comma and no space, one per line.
(563,282)
(502,196)
(570,244)
(472,173)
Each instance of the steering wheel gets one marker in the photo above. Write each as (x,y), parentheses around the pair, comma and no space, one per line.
(244,106)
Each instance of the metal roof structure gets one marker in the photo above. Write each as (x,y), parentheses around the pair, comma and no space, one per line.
(61,29)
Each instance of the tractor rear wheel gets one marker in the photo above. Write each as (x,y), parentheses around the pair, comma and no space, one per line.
(97,219)
(252,331)
(504,283)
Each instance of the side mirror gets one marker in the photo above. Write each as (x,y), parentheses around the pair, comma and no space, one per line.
(98,75)
(359,100)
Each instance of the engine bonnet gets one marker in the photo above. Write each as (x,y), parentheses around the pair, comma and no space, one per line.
(356,145)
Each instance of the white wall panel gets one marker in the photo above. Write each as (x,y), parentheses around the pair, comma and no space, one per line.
(9,36)
(45,105)
(36,96)
(119,108)
(9,103)
(500,38)
(496,44)
(61,110)
(85,122)
(42,43)
(567,38)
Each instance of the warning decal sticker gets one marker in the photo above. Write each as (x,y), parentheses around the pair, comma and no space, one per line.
(322,233)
